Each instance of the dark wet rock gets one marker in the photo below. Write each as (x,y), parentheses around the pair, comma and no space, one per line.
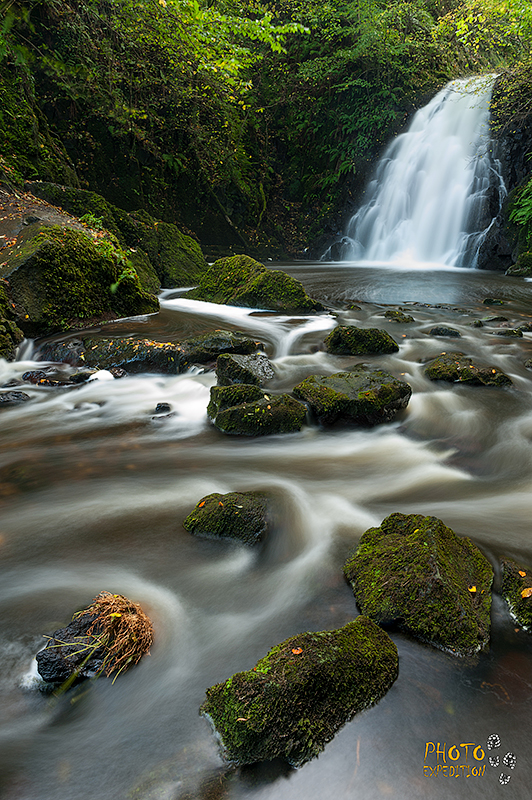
(493,301)
(242,281)
(511,333)
(458,368)
(45,378)
(83,375)
(528,363)
(163,408)
(398,316)
(13,398)
(10,334)
(247,410)
(65,652)
(495,320)
(516,589)
(131,355)
(237,515)
(347,340)
(362,395)
(207,347)
(118,372)
(301,693)
(526,327)
(232,368)
(441,331)
(68,352)
(12,383)
(477,323)
(415,572)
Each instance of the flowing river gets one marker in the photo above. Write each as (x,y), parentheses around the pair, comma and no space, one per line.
(94,486)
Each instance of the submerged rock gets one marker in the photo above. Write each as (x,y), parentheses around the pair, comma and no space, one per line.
(246,410)
(253,369)
(13,398)
(441,331)
(237,515)
(514,333)
(458,368)
(242,281)
(347,340)
(396,315)
(415,572)
(516,589)
(363,395)
(301,693)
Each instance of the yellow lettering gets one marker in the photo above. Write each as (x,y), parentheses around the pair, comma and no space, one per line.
(476,750)
(450,750)
(427,751)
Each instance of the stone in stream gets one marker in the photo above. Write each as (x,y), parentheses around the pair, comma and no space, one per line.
(415,572)
(301,693)
(348,340)
(442,331)
(396,315)
(458,368)
(241,281)
(363,395)
(247,410)
(13,398)
(514,333)
(242,516)
(516,589)
(254,369)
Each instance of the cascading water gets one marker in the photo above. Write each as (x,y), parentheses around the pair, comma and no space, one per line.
(430,199)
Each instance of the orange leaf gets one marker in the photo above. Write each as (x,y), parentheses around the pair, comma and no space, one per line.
(522,574)
(527,592)
(201,504)
(297,650)
(220,503)
(472,589)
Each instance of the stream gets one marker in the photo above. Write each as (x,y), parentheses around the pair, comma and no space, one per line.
(94,486)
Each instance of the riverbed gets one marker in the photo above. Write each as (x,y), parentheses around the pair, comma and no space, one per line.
(94,486)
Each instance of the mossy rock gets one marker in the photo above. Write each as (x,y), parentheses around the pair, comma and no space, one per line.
(10,334)
(522,267)
(362,395)
(60,278)
(458,368)
(242,281)
(242,516)
(448,332)
(13,398)
(132,355)
(254,369)
(175,258)
(301,693)
(347,340)
(415,572)
(516,589)
(246,410)
(510,333)
(207,347)
(396,315)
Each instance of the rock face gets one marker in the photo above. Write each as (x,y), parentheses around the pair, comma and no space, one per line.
(60,277)
(10,334)
(242,281)
(415,572)
(247,410)
(362,395)
(254,369)
(458,368)
(242,516)
(301,693)
(347,340)
(516,589)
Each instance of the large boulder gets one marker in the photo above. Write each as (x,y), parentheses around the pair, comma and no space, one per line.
(241,516)
(458,368)
(61,277)
(232,368)
(415,572)
(242,281)
(362,395)
(516,588)
(348,340)
(247,410)
(301,693)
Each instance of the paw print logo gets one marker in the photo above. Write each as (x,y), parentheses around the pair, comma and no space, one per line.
(509,760)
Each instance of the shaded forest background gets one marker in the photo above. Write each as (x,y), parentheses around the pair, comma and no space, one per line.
(251,125)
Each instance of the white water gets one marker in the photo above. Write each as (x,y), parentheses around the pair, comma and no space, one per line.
(428,201)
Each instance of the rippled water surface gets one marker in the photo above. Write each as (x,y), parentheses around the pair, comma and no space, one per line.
(94,487)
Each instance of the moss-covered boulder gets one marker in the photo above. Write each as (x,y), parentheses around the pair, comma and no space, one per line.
(60,277)
(510,333)
(242,281)
(396,315)
(516,588)
(242,516)
(362,395)
(415,572)
(10,334)
(522,267)
(440,330)
(348,340)
(176,258)
(254,369)
(301,693)
(246,410)
(458,368)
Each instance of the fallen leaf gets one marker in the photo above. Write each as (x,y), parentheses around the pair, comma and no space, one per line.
(472,589)
(527,592)
(522,574)
(201,504)
(297,650)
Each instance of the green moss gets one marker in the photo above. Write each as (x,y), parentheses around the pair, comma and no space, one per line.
(242,281)
(10,334)
(522,267)
(415,572)
(346,340)
(398,316)
(301,693)
(516,579)
(261,417)
(223,397)
(59,277)
(361,395)
(458,368)
(236,515)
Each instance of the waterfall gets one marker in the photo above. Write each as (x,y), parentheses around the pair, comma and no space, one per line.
(431,200)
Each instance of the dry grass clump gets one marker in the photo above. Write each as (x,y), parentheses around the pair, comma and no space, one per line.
(121,628)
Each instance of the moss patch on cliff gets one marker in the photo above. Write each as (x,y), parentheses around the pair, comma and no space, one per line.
(516,589)
(301,693)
